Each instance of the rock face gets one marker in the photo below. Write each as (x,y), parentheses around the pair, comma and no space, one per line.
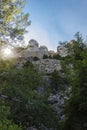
(62,51)
(43,50)
(48,65)
(51,53)
(33,45)
(33,50)
(58,101)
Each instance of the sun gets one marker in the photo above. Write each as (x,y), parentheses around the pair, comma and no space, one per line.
(7,51)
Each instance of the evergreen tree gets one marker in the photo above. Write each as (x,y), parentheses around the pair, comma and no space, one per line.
(13,21)
(76,105)
(28,107)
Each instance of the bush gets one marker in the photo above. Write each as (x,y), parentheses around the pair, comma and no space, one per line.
(45,57)
(27,106)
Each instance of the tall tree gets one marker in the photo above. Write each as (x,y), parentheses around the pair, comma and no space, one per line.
(13,21)
(76,105)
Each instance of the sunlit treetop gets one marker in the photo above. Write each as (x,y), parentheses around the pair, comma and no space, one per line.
(13,22)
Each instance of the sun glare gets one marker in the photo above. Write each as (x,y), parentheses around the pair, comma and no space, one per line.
(7,51)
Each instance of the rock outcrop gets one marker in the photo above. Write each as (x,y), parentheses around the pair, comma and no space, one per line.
(48,65)
(62,51)
(43,50)
(33,45)
(51,53)
(33,50)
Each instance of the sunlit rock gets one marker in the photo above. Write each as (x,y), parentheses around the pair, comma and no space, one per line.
(33,45)
(48,65)
(43,50)
(33,50)
(62,51)
(51,53)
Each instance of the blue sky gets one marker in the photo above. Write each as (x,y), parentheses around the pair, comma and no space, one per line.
(56,20)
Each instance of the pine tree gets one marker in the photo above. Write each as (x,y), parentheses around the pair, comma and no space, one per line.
(13,21)
(76,105)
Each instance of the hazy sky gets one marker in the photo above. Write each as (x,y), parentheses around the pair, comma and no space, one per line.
(56,20)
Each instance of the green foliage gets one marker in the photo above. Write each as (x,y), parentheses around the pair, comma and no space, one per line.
(45,57)
(6,65)
(56,56)
(27,106)
(13,22)
(5,123)
(76,105)
(57,82)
